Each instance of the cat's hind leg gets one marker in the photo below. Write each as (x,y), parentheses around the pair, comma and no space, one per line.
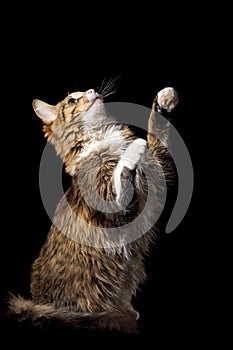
(124,172)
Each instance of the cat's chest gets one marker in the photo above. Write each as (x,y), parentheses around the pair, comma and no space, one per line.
(111,140)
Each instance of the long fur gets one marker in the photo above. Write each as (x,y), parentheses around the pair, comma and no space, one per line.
(42,314)
(84,276)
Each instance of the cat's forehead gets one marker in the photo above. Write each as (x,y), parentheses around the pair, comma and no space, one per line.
(76,95)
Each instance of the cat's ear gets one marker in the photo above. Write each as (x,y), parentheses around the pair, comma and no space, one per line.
(46,112)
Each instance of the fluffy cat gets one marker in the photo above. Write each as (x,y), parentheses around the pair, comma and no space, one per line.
(87,273)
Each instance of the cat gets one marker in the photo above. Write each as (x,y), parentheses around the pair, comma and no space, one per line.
(87,273)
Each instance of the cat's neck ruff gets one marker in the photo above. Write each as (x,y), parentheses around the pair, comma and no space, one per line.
(112,137)
(95,116)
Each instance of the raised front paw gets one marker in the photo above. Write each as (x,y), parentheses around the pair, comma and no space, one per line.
(167,99)
(133,154)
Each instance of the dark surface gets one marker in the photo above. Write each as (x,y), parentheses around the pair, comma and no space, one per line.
(171,301)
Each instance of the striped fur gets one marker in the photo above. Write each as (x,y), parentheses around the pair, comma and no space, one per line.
(82,272)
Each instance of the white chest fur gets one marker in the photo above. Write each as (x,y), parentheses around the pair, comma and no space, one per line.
(112,138)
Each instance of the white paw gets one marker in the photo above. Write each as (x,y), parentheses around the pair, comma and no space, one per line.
(133,154)
(167,99)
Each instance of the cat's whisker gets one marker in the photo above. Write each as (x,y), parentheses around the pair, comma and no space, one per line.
(102,85)
(109,90)
(109,85)
(110,93)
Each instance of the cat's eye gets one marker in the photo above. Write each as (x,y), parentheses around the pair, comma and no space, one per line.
(71,101)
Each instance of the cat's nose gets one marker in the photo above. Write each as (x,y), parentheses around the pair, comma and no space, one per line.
(91,94)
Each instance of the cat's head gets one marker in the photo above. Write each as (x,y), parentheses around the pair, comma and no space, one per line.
(67,122)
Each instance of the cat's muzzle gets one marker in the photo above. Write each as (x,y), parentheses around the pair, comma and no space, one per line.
(92,95)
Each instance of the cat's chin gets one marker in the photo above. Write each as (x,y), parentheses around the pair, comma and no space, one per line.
(97,102)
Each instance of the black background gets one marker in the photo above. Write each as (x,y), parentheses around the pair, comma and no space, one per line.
(50,63)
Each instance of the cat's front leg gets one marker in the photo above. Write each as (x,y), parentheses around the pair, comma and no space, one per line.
(158,128)
(124,172)
(166,99)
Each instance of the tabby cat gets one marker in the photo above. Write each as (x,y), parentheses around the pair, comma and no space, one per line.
(87,273)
